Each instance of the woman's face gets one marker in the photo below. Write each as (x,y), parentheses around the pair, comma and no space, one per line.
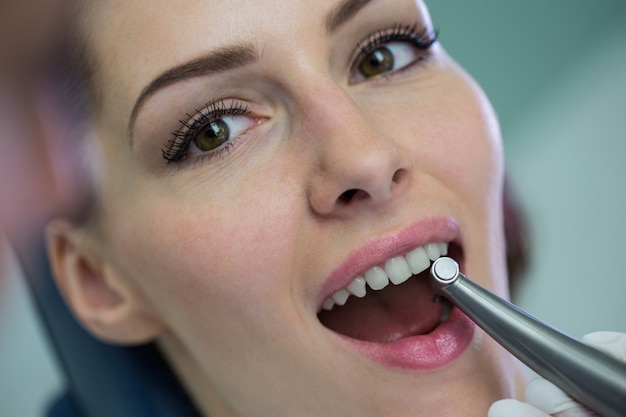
(256,158)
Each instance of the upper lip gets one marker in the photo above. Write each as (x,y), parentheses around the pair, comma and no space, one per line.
(377,251)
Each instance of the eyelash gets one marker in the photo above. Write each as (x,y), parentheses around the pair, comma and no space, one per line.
(177,147)
(418,36)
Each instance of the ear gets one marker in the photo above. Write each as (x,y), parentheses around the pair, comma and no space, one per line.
(104,301)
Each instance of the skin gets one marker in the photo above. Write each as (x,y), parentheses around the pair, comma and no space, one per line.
(221,261)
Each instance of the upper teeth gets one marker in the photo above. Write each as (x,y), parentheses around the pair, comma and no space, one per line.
(397,270)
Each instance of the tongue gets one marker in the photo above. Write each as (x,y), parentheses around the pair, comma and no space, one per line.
(392,313)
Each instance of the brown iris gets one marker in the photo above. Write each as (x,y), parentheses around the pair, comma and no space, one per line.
(214,135)
(377,62)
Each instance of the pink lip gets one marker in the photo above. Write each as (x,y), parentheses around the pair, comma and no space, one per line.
(424,352)
(435,229)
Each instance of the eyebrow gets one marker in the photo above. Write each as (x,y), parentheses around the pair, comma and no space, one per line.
(342,13)
(229,58)
(220,60)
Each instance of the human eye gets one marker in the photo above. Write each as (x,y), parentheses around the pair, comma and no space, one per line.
(210,132)
(391,50)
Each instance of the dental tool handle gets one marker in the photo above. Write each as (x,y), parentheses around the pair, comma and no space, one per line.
(591,377)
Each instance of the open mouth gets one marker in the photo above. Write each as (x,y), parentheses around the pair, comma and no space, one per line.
(392,301)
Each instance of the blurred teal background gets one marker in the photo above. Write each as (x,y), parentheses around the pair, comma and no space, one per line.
(517,51)
(555,72)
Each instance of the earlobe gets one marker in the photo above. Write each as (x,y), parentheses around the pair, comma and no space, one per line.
(104,302)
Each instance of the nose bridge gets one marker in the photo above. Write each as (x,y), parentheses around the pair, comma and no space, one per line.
(355,164)
(328,105)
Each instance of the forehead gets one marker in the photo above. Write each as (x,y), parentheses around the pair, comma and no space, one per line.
(134,41)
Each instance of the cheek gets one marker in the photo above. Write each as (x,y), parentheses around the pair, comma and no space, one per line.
(197,256)
(455,137)
(474,151)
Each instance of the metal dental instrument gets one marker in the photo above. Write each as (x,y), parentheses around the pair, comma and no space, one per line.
(586,374)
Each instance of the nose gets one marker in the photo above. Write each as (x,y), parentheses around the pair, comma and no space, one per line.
(356,166)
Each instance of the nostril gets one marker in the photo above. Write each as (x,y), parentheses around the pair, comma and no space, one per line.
(356,194)
(346,196)
(351,195)
(397,176)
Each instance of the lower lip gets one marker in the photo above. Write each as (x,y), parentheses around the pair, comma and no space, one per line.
(424,352)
